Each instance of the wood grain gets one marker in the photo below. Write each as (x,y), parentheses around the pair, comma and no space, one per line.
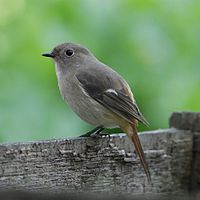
(99,164)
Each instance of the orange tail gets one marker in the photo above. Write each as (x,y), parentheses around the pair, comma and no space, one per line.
(132,133)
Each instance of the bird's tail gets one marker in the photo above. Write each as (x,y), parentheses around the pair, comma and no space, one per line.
(131,131)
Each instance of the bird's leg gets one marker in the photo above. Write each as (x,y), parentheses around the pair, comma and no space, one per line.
(95,131)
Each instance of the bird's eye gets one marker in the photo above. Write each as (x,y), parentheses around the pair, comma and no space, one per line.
(69,52)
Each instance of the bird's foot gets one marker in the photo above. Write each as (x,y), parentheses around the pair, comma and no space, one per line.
(101,134)
(94,132)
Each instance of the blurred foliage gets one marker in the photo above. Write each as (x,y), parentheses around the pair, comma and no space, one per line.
(153,44)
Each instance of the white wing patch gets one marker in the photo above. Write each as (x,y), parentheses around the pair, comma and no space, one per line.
(112,91)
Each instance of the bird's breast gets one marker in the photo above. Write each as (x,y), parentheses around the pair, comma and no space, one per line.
(83,105)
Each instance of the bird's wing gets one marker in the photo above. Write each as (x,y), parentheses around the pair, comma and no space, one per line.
(111,91)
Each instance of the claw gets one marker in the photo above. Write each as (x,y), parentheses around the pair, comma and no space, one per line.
(95,131)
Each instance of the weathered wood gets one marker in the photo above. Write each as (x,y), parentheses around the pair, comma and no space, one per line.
(195,170)
(190,121)
(99,164)
(185,121)
(108,164)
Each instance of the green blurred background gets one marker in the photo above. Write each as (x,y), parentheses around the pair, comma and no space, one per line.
(153,44)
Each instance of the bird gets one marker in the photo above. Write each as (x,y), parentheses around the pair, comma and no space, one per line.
(97,93)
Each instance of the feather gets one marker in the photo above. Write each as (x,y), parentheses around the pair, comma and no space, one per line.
(139,150)
(101,86)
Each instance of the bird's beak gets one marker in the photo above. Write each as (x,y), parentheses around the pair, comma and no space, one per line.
(51,55)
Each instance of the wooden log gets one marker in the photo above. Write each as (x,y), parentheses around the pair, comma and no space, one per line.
(99,164)
(185,121)
(190,121)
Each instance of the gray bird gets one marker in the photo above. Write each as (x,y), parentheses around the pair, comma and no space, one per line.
(96,93)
